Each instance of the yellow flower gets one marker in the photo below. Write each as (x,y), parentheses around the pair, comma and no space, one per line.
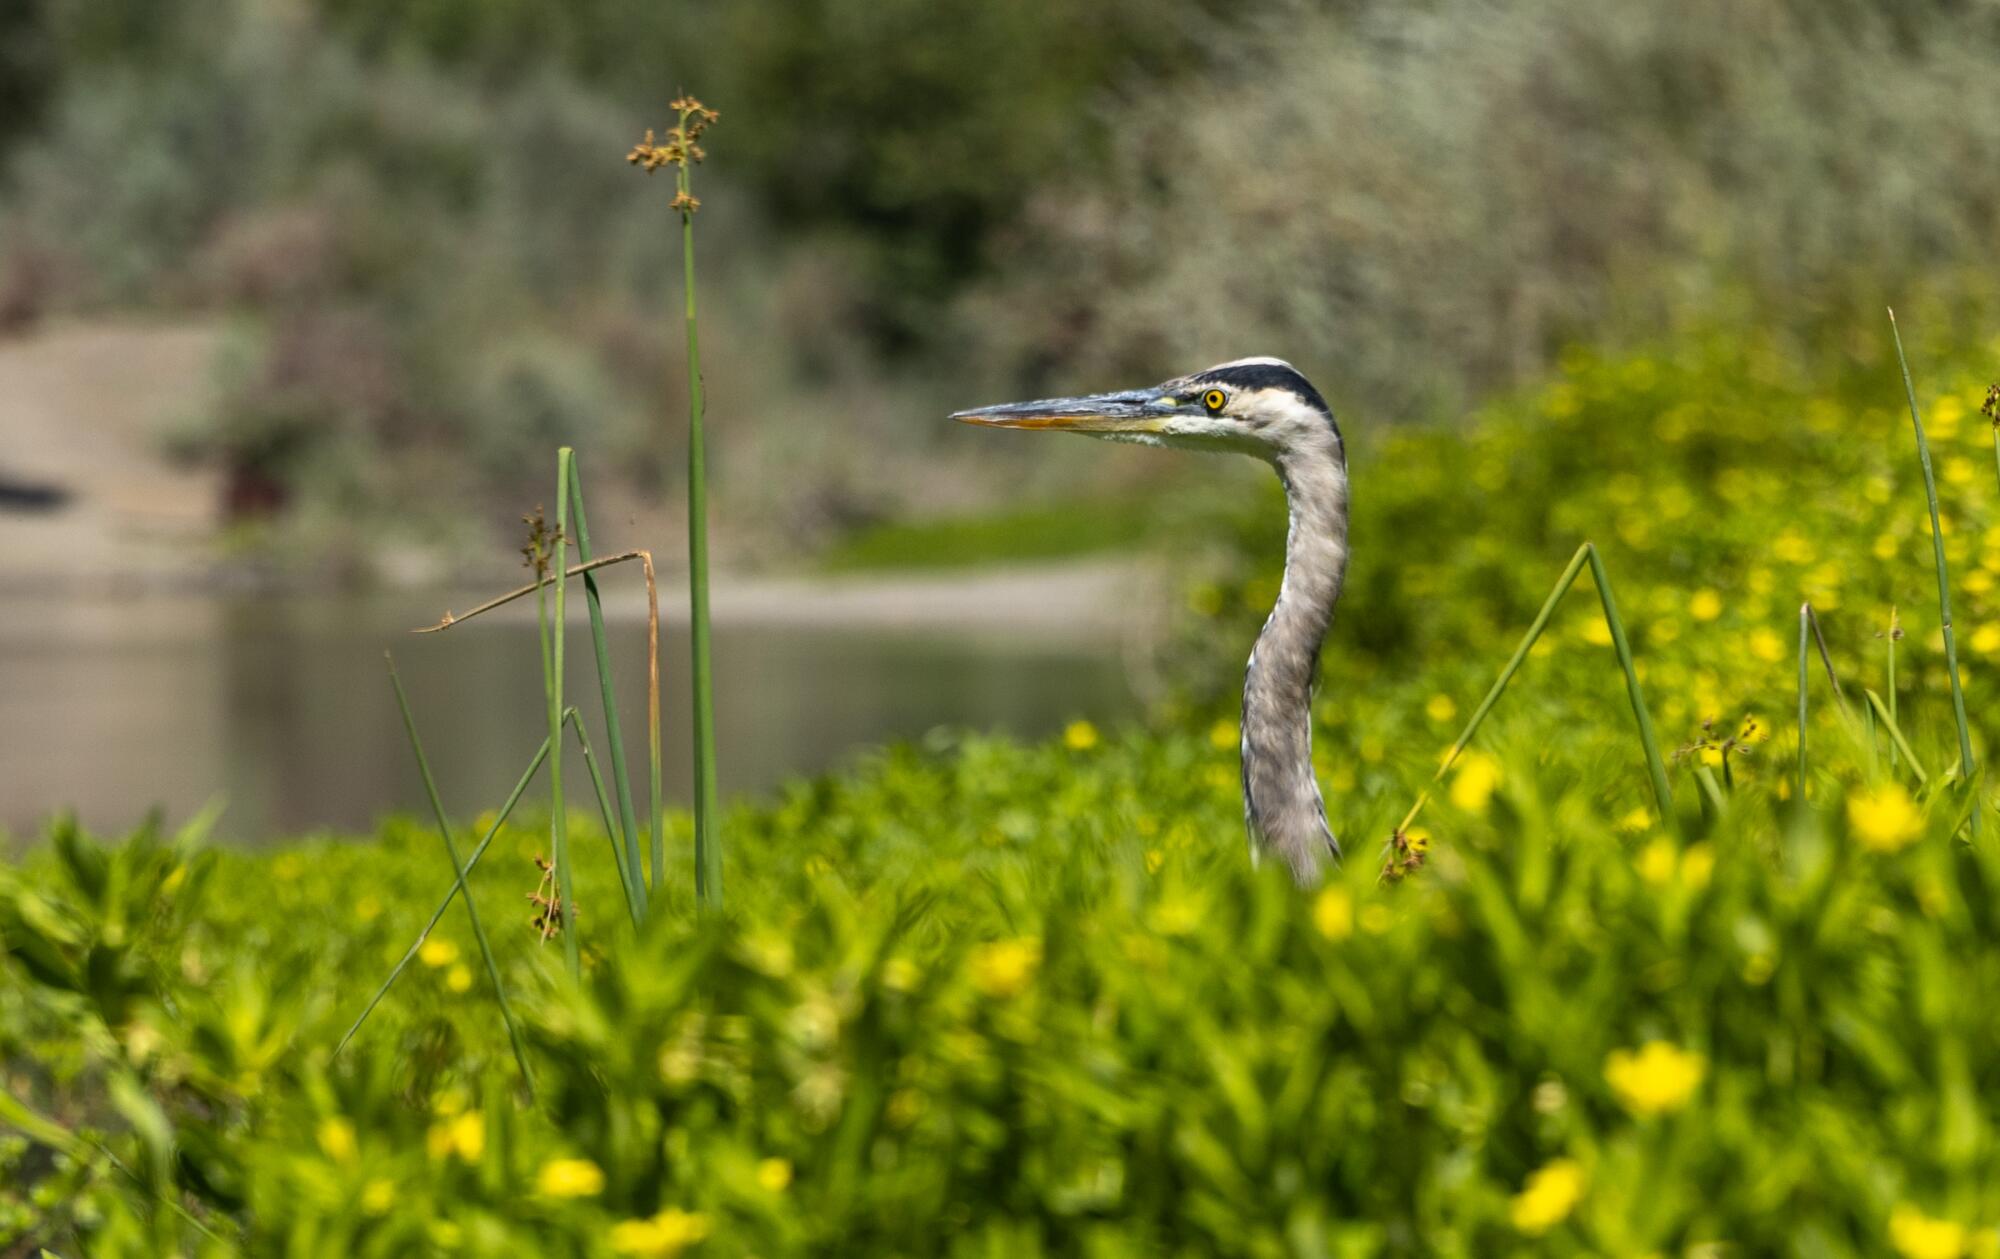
(1548,1197)
(1224,735)
(1793,547)
(570,1178)
(1656,861)
(1080,736)
(378,1195)
(1918,1236)
(1697,866)
(1333,913)
(1655,1080)
(774,1174)
(1472,787)
(336,1137)
(1440,708)
(437,952)
(1884,820)
(459,979)
(661,1237)
(1705,606)
(1986,639)
(1596,631)
(1177,914)
(1004,967)
(1767,645)
(468,1135)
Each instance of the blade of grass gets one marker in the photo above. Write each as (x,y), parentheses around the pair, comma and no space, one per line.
(1965,761)
(437,915)
(458,874)
(1895,633)
(1802,702)
(625,883)
(451,619)
(1662,792)
(1507,672)
(1706,777)
(1868,732)
(553,681)
(1826,662)
(1656,767)
(626,840)
(1896,738)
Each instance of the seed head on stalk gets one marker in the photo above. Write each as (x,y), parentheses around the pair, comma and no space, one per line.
(680,149)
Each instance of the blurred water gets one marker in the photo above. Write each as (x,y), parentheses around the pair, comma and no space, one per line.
(282,706)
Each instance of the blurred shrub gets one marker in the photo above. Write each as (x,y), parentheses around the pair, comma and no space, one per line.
(1419,203)
(910,128)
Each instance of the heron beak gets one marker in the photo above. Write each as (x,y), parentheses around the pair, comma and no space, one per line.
(1132,411)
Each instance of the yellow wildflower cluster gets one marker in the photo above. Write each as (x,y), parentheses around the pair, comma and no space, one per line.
(1472,787)
(1884,819)
(336,1138)
(1004,967)
(1080,736)
(1333,913)
(1918,1236)
(1661,860)
(463,1135)
(659,1236)
(1656,1079)
(1547,1199)
(570,1178)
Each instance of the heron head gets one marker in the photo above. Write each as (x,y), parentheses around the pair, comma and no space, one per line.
(1256,406)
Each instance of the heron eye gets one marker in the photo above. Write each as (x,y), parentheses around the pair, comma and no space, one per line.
(1213,400)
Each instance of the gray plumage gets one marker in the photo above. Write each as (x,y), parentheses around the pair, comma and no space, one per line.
(1260,407)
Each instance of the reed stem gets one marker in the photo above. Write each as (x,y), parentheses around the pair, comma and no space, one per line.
(626,884)
(553,681)
(1965,762)
(458,874)
(625,840)
(707,848)
(1804,611)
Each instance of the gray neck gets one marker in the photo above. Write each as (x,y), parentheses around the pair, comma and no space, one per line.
(1280,794)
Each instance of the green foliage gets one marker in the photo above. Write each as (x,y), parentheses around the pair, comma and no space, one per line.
(993,998)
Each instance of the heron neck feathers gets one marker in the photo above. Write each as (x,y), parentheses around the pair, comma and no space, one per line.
(1281,794)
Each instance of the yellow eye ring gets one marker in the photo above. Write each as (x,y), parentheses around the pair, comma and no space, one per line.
(1214,400)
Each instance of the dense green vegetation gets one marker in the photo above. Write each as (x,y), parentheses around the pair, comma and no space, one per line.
(993,999)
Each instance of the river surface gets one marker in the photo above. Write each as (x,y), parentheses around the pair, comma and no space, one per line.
(281,707)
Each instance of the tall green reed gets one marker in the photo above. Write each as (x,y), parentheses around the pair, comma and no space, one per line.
(1965,763)
(680,150)
(626,838)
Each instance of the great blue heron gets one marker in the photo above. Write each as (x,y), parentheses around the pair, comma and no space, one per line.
(1261,407)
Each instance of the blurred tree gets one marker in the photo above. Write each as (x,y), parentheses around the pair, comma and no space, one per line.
(912,128)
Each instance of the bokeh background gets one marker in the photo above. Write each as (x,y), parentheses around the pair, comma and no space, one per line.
(297,297)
